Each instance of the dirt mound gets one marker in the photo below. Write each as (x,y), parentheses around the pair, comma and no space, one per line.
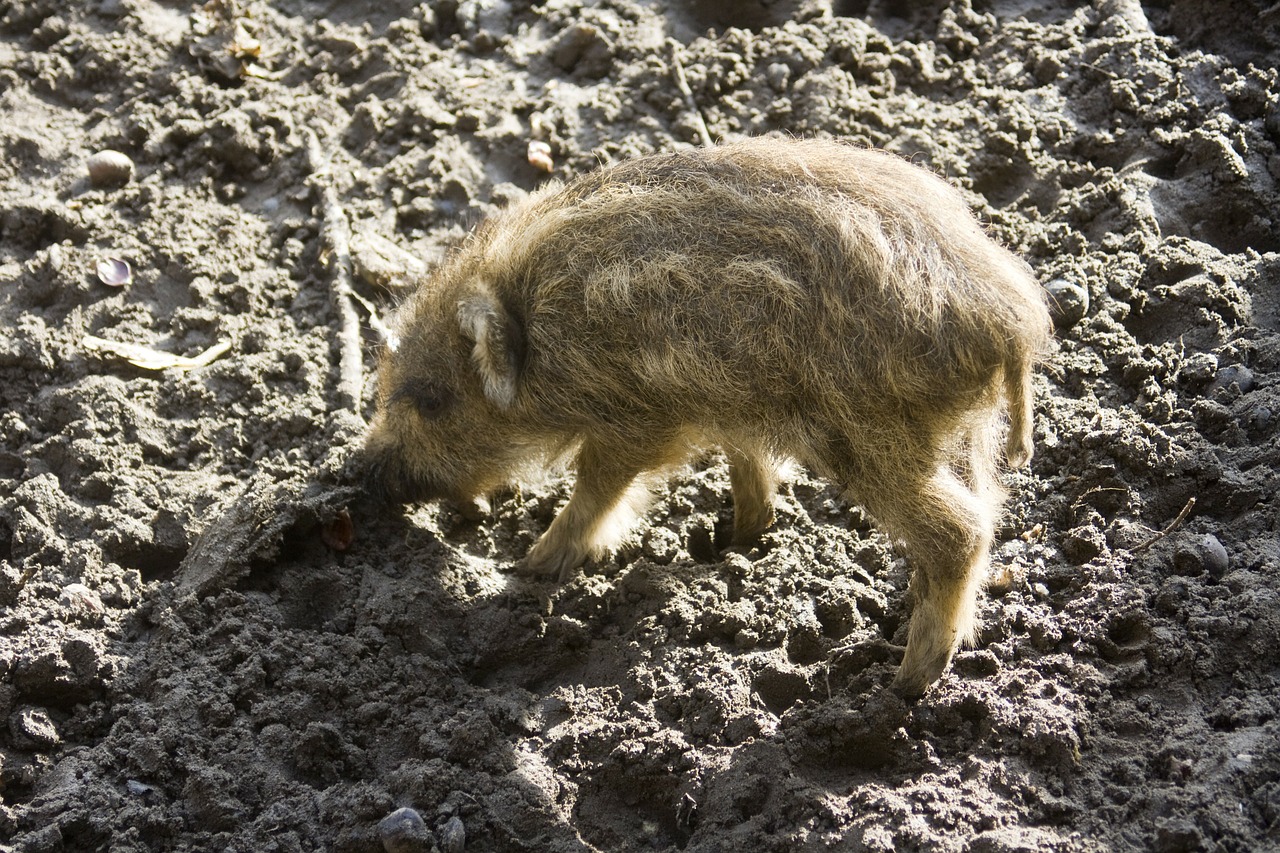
(190,659)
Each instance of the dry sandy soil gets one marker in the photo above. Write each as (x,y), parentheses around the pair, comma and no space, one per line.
(190,661)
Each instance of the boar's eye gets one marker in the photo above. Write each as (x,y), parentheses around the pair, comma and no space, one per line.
(431,399)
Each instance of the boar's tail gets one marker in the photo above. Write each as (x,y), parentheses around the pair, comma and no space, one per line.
(1017,389)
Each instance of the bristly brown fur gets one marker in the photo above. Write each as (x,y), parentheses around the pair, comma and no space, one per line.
(779,299)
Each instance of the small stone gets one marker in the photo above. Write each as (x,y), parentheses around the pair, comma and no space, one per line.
(1213,556)
(404,831)
(1068,303)
(779,75)
(453,837)
(109,169)
(1202,554)
(81,602)
(1261,418)
(1235,377)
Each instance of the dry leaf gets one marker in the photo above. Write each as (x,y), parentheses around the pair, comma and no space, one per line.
(153,359)
(339,532)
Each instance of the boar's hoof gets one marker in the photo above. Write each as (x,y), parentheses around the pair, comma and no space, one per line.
(908,689)
(552,558)
(914,677)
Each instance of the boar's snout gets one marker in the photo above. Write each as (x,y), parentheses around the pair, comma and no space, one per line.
(388,482)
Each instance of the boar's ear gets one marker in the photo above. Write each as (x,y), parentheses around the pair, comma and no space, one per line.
(499,344)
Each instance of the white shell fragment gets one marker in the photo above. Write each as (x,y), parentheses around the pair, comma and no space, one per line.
(539,154)
(115,272)
(109,169)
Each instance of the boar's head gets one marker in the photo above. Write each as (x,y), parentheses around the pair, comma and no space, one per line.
(447,423)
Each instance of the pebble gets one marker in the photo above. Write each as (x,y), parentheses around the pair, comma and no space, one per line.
(1202,554)
(81,602)
(778,74)
(1213,556)
(1262,418)
(1235,376)
(539,155)
(110,169)
(404,831)
(1068,302)
(453,837)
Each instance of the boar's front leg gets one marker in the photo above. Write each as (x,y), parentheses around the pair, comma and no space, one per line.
(600,510)
(947,528)
(948,531)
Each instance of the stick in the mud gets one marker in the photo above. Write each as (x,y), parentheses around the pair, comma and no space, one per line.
(1173,525)
(682,84)
(335,233)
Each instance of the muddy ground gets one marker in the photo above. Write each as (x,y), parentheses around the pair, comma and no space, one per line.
(187,663)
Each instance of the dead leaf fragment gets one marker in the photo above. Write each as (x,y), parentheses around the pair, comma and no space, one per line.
(339,532)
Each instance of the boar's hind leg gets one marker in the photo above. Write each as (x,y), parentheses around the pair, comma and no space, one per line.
(598,513)
(948,531)
(754,481)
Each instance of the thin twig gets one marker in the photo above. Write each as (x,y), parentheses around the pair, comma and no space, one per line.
(1173,525)
(682,83)
(1100,70)
(335,232)
(381,329)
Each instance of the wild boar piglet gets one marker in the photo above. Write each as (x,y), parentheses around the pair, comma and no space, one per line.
(777,299)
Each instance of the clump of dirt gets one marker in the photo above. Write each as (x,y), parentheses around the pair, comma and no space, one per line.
(198,654)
